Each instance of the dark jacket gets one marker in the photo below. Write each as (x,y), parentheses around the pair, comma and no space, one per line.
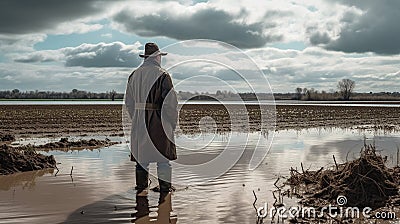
(152,105)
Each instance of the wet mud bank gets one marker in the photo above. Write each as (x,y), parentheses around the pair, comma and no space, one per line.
(14,160)
(65,144)
(26,158)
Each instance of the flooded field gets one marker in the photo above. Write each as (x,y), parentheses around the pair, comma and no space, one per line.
(100,189)
(97,119)
(97,185)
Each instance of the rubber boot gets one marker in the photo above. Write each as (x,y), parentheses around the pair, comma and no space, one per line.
(142,180)
(164,180)
(163,196)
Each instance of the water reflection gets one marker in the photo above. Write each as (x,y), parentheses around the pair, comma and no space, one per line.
(27,180)
(162,214)
(125,207)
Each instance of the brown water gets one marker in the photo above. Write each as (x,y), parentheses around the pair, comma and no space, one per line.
(100,189)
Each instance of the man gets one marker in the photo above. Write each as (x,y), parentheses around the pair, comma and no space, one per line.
(152,106)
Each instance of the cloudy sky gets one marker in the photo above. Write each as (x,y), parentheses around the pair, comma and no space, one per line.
(93,45)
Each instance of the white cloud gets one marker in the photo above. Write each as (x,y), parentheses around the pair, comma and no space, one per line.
(39,56)
(107,35)
(114,54)
(52,77)
(77,27)
(312,67)
(321,69)
(20,43)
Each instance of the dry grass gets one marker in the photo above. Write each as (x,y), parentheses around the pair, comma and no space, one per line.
(365,182)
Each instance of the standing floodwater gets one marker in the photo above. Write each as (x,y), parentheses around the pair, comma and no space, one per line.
(100,189)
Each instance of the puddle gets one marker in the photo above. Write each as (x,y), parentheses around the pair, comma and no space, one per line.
(102,181)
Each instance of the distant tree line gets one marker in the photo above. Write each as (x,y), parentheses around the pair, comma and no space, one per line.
(80,94)
(74,94)
(223,95)
(345,91)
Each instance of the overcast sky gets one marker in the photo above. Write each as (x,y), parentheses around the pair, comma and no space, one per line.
(93,45)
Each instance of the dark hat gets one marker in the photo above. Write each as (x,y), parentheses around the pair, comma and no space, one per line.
(151,49)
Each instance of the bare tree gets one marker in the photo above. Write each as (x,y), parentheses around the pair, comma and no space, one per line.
(299,92)
(113,93)
(346,87)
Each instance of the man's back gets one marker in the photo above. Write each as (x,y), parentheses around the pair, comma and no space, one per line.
(143,79)
(152,106)
(152,103)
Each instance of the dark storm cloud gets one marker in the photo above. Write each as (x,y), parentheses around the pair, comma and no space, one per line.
(27,16)
(376,30)
(203,24)
(319,38)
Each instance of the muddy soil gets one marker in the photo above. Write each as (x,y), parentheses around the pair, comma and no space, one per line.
(14,160)
(6,137)
(80,120)
(65,145)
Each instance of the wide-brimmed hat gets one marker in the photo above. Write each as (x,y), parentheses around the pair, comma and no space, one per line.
(151,49)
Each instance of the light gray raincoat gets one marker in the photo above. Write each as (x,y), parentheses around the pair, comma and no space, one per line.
(151,103)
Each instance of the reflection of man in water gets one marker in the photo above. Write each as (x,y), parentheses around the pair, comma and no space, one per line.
(164,215)
(152,106)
